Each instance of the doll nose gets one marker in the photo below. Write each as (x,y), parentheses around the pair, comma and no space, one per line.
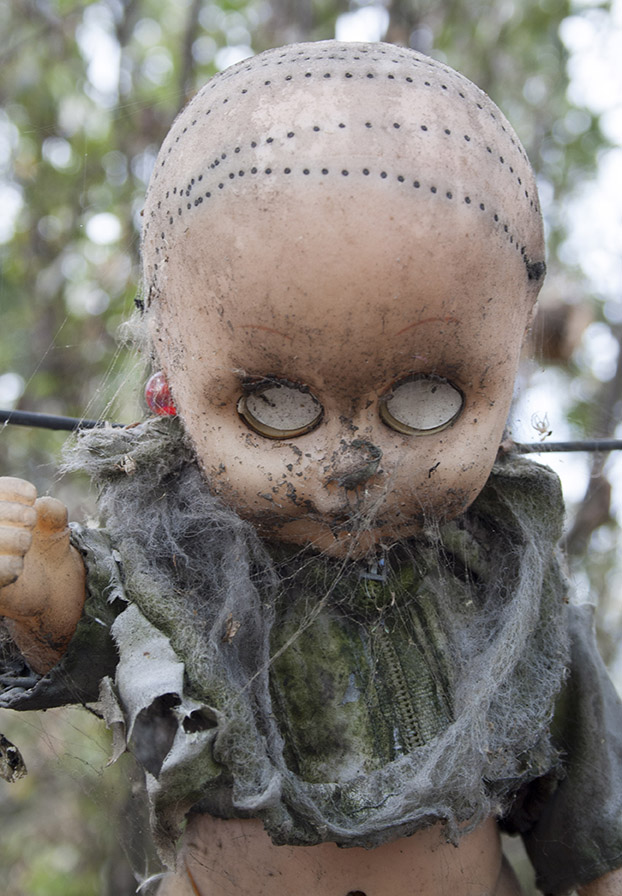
(355,462)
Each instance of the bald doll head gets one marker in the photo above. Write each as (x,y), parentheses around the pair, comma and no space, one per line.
(342,250)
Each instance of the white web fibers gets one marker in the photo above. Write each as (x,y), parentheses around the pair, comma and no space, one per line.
(192,566)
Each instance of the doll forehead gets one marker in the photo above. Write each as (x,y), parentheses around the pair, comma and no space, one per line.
(363,354)
(355,364)
(324,117)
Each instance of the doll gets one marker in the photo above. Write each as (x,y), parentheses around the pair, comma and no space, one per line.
(322,611)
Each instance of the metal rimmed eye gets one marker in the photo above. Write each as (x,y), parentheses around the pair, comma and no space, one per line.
(421,404)
(280,410)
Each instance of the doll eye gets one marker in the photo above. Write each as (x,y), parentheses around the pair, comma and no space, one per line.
(280,410)
(421,404)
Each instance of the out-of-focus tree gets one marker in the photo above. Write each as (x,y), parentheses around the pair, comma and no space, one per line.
(90,87)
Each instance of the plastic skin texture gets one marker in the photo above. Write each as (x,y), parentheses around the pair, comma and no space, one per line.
(42,577)
(233,857)
(608,885)
(365,223)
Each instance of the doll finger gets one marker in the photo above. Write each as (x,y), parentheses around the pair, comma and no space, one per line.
(18,491)
(14,541)
(51,515)
(11,567)
(14,514)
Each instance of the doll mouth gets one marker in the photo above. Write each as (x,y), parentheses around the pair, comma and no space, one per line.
(363,515)
(334,507)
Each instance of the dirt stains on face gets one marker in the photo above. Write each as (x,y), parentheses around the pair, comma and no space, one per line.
(264,266)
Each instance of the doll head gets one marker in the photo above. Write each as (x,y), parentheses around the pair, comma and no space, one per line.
(342,251)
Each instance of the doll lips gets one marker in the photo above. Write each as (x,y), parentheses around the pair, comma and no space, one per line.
(347,510)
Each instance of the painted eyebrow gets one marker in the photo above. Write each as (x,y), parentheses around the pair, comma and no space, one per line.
(428,320)
(265,329)
(250,382)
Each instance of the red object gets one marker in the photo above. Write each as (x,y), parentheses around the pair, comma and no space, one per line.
(158,396)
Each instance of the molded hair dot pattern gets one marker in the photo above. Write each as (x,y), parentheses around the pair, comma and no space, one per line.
(426,120)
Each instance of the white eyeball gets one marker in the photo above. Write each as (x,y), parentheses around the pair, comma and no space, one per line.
(421,404)
(280,410)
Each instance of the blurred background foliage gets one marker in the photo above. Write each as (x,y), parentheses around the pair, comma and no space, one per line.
(88,91)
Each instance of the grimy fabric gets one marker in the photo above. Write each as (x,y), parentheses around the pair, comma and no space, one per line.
(446,678)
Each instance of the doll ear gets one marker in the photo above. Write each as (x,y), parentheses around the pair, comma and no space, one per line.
(158,396)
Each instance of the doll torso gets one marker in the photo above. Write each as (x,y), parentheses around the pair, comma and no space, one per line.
(236,858)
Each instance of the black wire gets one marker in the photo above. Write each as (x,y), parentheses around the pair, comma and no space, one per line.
(580,445)
(50,421)
(69,424)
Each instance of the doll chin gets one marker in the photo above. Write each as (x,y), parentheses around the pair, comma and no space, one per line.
(349,529)
(358,535)
(338,541)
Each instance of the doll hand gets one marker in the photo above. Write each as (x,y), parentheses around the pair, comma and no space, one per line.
(42,577)
(17,520)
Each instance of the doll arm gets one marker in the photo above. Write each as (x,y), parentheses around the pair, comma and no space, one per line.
(42,576)
(607,885)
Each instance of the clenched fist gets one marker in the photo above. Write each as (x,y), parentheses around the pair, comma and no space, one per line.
(42,577)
